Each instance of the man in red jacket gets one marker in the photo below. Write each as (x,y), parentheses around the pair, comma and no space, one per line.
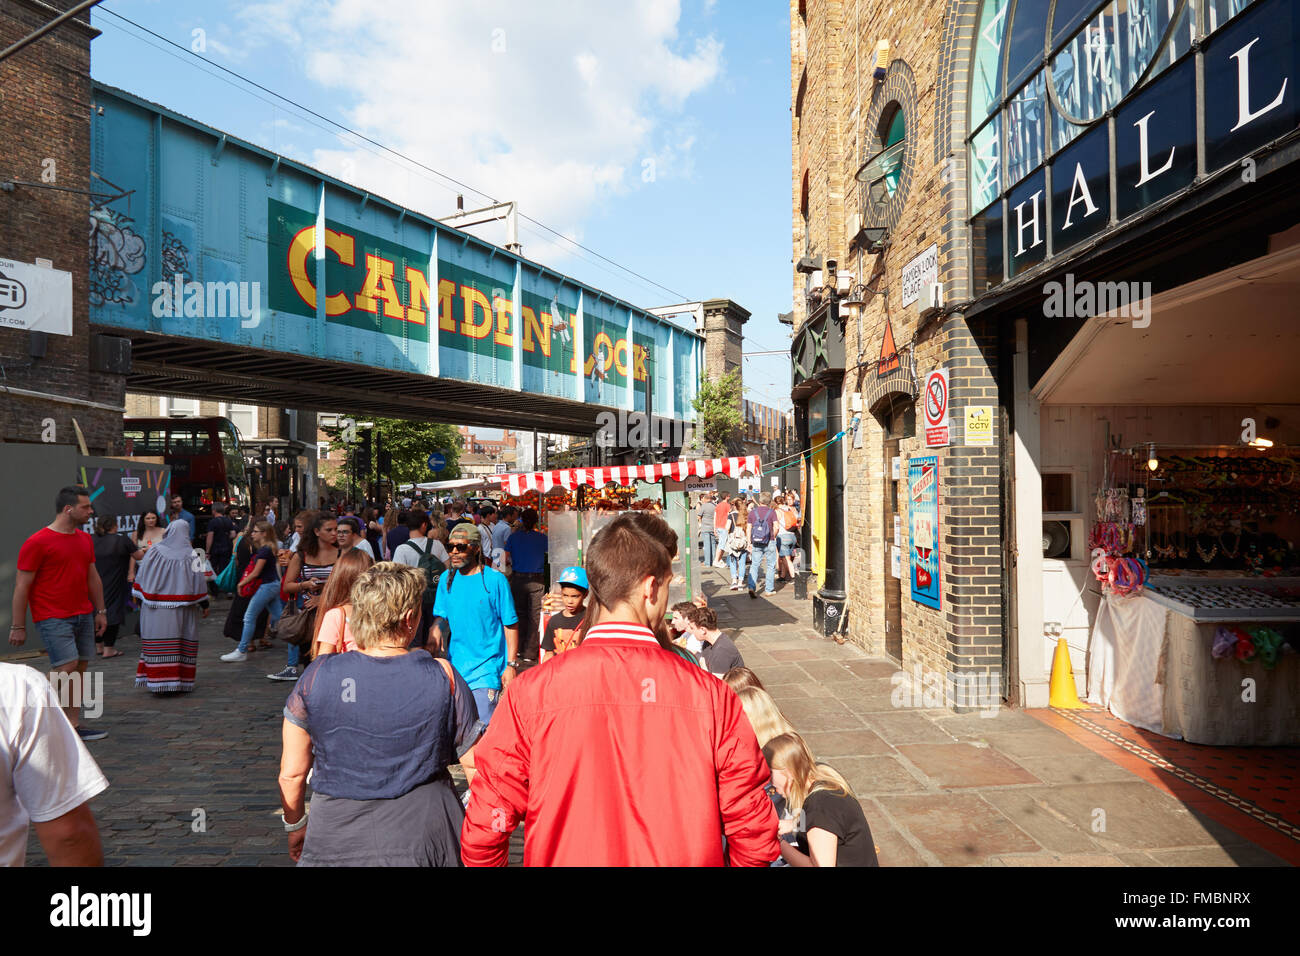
(620,752)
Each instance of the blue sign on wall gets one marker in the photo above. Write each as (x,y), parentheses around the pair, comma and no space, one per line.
(923,509)
(437,462)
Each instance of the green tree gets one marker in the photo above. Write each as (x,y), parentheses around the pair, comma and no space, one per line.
(409,442)
(718,418)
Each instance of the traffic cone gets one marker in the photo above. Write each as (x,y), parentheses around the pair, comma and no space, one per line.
(1061,691)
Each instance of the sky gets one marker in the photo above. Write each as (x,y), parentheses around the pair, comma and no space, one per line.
(654,132)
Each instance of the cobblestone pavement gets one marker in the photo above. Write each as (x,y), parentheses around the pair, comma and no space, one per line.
(192,777)
(938,788)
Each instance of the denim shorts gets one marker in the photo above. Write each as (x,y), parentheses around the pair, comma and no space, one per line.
(786,541)
(68,639)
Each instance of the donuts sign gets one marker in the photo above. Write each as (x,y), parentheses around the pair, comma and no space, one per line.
(923,488)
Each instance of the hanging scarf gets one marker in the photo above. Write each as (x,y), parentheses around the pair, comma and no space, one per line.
(170,575)
(1225,643)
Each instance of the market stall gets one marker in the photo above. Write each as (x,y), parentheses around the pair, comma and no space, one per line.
(1199,619)
(575,503)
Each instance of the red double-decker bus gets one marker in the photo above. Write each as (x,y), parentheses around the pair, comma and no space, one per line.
(205,456)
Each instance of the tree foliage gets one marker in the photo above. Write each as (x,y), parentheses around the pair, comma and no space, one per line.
(409,442)
(718,418)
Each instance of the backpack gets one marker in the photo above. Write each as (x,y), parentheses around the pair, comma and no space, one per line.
(762,533)
(431,566)
(736,537)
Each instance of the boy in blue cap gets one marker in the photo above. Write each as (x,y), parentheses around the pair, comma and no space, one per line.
(561,629)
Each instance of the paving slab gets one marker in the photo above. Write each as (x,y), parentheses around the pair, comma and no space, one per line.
(1037,818)
(846,743)
(904,727)
(959,829)
(1239,855)
(1074,768)
(822,713)
(884,773)
(1134,814)
(961,765)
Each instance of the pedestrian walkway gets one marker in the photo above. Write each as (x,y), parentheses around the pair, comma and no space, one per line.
(1013,788)
(194,777)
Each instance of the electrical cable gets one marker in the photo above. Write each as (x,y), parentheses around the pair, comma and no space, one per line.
(389,149)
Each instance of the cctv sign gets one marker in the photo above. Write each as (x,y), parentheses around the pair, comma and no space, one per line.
(35,298)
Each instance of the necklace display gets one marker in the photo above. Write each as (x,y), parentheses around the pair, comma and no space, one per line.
(1236,545)
(1207,558)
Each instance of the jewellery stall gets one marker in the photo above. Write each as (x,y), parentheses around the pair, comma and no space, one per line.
(1198,625)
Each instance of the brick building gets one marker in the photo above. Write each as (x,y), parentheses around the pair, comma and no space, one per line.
(492,448)
(45,107)
(946,177)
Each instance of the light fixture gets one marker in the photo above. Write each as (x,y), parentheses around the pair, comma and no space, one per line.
(1152,461)
(1261,443)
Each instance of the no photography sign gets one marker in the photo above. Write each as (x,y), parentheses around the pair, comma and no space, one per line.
(936,408)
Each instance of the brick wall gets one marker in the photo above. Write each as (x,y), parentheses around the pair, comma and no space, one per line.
(45,115)
(834,131)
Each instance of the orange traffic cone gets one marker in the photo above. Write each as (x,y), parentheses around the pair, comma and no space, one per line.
(1061,691)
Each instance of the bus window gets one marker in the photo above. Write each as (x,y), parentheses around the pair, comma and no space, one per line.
(145,442)
(187,441)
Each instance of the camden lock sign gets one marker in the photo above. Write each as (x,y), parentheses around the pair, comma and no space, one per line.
(1247,100)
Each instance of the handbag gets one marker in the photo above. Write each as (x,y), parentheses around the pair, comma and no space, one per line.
(226,581)
(249,587)
(297,627)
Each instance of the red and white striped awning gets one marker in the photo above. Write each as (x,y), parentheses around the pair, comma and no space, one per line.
(571,478)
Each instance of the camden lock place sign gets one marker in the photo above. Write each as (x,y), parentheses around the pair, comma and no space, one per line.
(1248,99)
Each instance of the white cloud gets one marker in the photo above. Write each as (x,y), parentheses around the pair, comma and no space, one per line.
(556,105)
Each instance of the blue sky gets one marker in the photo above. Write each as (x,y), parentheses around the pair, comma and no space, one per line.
(656,133)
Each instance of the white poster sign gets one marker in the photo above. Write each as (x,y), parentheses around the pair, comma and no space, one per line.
(920,273)
(35,298)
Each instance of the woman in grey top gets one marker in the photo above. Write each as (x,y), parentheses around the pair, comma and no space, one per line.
(379,725)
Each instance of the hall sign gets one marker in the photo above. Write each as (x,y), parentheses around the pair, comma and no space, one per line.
(1249,98)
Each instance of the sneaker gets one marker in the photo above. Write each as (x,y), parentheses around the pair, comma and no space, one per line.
(85,733)
(289,673)
(734,587)
(235,656)
(753,593)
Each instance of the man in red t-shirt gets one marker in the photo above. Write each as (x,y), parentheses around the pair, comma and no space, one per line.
(58,580)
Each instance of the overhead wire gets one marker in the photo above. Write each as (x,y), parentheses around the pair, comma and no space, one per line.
(388,149)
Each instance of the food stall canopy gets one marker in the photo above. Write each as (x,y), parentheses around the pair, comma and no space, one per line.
(628,475)
(486,484)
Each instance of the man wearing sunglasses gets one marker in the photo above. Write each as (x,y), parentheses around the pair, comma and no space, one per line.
(475,601)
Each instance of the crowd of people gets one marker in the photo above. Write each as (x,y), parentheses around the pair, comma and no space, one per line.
(741,530)
(623,733)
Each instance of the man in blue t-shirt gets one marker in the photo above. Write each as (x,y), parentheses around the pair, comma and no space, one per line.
(476,604)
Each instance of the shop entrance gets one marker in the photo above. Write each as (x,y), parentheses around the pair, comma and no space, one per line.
(892,415)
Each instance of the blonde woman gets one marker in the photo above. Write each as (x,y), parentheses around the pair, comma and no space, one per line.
(764,716)
(380,747)
(834,828)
